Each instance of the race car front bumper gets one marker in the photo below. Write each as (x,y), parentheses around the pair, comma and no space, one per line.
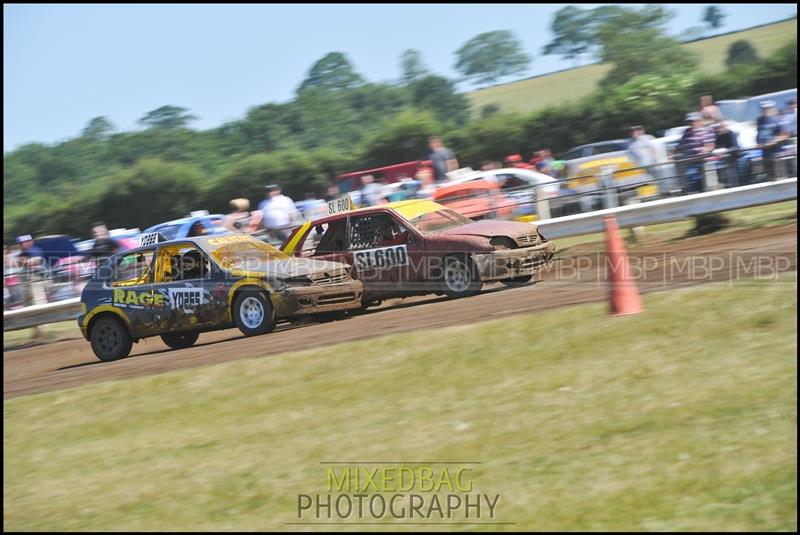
(511,263)
(300,300)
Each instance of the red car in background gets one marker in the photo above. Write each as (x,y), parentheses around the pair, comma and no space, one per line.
(387,174)
(478,199)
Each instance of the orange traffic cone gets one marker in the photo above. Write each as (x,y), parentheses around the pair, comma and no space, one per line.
(625,298)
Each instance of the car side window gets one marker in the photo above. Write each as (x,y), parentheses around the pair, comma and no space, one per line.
(513,182)
(333,238)
(133,268)
(181,262)
(377,230)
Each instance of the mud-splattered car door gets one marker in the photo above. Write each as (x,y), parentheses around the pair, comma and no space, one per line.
(130,282)
(194,290)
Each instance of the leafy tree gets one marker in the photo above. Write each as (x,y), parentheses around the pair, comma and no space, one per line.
(489,110)
(404,138)
(491,56)
(491,138)
(635,42)
(741,52)
(573,35)
(439,95)
(333,71)
(411,66)
(98,129)
(714,17)
(612,22)
(167,117)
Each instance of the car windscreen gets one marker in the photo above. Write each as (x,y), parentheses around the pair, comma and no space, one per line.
(169,232)
(249,255)
(439,220)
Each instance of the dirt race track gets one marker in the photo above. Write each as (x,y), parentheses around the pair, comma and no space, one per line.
(575,277)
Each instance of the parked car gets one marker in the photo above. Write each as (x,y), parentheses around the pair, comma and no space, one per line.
(476,199)
(522,186)
(179,228)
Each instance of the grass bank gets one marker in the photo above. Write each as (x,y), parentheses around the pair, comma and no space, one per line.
(682,418)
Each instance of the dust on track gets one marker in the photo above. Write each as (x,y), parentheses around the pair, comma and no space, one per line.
(577,276)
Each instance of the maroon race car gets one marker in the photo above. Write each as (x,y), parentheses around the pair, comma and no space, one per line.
(419,247)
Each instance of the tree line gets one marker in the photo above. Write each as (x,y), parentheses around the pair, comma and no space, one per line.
(338,121)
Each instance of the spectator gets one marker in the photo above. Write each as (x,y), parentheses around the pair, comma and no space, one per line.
(696,141)
(710,112)
(240,219)
(442,159)
(515,160)
(278,211)
(644,151)
(789,118)
(768,124)
(370,191)
(770,134)
(488,166)
(332,193)
(543,156)
(726,139)
(197,229)
(30,254)
(536,160)
(642,147)
(104,245)
(427,183)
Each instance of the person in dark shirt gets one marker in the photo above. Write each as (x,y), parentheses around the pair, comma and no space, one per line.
(697,140)
(104,245)
(771,134)
(442,159)
(735,162)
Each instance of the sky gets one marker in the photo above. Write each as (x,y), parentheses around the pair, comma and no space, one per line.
(65,64)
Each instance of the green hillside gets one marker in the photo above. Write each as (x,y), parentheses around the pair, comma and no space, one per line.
(552,89)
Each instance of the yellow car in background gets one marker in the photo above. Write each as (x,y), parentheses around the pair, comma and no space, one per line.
(586,163)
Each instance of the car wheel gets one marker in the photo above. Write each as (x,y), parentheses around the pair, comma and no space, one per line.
(110,340)
(253,313)
(181,340)
(517,281)
(460,278)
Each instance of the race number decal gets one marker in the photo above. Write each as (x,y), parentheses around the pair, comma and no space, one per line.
(381,258)
(186,299)
(342,204)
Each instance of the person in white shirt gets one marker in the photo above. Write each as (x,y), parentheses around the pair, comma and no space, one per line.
(278,212)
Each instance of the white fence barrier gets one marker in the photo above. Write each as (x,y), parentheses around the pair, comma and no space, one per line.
(34,315)
(646,213)
(672,209)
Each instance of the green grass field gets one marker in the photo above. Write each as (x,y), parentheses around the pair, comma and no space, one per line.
(682,418)
(553,89)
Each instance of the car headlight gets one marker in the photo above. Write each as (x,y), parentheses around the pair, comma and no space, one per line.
(500,243)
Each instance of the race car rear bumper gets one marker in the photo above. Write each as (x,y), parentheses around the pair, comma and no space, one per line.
(296,301)
(511,263)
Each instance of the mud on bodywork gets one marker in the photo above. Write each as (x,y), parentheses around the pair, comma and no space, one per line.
(151,304)
(511,263)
